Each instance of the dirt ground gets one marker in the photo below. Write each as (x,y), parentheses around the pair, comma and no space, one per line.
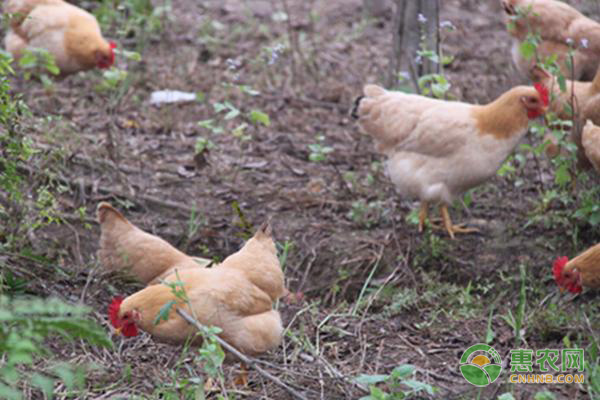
(376,293)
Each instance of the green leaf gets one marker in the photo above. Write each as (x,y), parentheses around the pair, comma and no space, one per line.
(562,175)
(234,112)
(163,313)
(594,219)
(417,386)
(506,396)
(403,371)
(257,116)
(219,107)
(44,383)
(562,83)
(207,123)
(6,392)
(52,68)
(527,50)
(545,395)
(130,55)
(66,375)
(378,394)
(371,379)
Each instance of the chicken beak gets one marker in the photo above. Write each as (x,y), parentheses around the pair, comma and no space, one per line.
(562,290)
(118,331)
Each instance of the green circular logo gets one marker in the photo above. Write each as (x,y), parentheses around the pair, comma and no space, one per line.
(480,365)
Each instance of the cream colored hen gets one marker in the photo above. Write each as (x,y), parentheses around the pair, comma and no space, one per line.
(236,296)
(580,98)
(69,33)
(556,23)
(439,149)
(125,247)
(590,141)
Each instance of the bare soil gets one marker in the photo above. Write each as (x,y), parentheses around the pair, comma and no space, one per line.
(342,215)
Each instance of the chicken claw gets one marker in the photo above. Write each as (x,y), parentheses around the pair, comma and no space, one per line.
(452,229)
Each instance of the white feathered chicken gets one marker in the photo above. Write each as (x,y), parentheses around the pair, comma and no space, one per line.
(439,149)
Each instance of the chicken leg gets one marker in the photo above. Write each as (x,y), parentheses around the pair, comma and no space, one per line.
(423,211)
(452,229)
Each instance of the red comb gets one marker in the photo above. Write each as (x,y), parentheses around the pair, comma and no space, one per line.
(113,312)
(543,91)
(558,266)
(575,288)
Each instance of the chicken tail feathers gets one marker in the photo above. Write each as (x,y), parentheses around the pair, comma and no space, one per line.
(105,209)
(509,8)
(266,228)
(369,92)
(354,112)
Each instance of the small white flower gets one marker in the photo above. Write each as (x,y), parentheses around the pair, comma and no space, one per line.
(569,41)
(275,53)
(232,64)
(584,43)
(418,59)
(446,24)
(421,18)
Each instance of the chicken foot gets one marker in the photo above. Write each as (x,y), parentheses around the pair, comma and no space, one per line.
(423,211)
(451,228)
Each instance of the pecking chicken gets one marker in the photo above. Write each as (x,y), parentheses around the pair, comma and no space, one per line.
(583,270)
(581,98)
(560,27)
(125,247)
(236,295)
(439,149)
(577,93)
(70,34)
(584,99)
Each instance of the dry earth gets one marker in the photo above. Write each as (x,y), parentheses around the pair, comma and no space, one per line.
(341,216)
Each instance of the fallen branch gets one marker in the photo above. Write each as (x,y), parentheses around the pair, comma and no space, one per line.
(249,361)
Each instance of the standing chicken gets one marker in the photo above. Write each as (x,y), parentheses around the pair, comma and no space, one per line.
(236,296)
(124,246)
(439,149)
(583,270)
(70,34)
(560,28)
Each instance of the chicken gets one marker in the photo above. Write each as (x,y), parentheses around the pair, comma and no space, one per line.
(590,142)
(577,92)
(583,270)
(578,98)
(236,296)
(581,97)
(557,25)
(70,34)
(124,246)
(439,149)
